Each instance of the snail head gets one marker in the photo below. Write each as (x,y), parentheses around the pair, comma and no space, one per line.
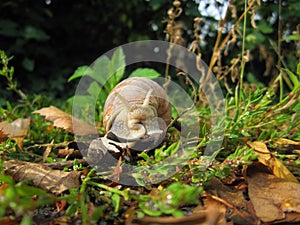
(137,122)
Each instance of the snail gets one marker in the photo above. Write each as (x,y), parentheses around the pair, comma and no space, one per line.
(135,117)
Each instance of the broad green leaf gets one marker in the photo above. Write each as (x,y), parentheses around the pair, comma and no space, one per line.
(82,100)
(80,72)
(145,72)
(298,69)
(94,89)
(100,70)
(116,68)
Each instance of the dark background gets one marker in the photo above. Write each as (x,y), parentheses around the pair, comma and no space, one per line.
(49,39)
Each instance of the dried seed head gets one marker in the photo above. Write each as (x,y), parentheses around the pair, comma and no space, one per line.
(170,12)
(197,20)
(176,3)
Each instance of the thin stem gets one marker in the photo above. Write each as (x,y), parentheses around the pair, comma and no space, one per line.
(218,47)
(279,33)
(243,49)
(279,51)
(243,59)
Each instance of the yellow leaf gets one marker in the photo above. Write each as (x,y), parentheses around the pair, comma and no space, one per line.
(268,159)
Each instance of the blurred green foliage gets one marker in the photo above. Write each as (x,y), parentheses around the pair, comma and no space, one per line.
(49,39)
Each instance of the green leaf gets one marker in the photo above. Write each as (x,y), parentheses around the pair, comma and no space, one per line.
(9,28)
(26,190)
(80,72)
(145,72)
(6,179)
(28,64)
(293,37)
(100,70)
(116,68)
(82,100)
(116,199)
(298,69)
(94,89)
(27,220)
(31,32)
(294,79)
(255,37)
(264,27)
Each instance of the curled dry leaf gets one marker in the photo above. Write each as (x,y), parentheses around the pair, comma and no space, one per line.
(16,130)
(54,181)
(66,121)
(275,200)
(275,165)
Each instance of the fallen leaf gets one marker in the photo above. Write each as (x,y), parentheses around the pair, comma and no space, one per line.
(54,181)
(66,121)
(266,158)
(17,130)
(3,136)
(7,220)
(284,141)
(241,209)
(274,199)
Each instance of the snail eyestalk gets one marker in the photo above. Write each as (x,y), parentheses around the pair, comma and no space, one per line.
(147,98)
(123,100)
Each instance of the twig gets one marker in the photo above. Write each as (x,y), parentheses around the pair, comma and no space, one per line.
(62,165)
(237,211)
(63,144)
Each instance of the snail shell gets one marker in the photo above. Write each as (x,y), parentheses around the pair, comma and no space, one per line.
(136,108)
(136,114)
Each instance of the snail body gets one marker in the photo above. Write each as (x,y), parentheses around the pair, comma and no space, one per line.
(136,107)
(136,115)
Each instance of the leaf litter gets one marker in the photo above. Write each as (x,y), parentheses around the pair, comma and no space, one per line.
(269,194)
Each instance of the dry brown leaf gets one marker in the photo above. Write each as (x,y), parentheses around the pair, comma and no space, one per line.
(66,121)
(284,141)
(54,181)
(274,199)
(8,220)
(16,130)
(241,209)
(3,136)
(214,210)
(266,158)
